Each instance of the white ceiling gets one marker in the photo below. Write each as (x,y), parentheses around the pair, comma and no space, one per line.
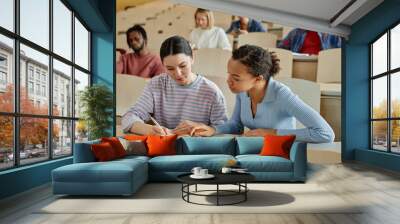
(321,9)
(315,15)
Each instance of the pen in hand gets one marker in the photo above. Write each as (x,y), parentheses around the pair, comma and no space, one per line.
(158,125)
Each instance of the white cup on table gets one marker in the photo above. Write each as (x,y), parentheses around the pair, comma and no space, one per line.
(196,170)
(203,172)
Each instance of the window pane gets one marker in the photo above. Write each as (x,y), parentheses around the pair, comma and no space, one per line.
(81,45)
(395,136)
(379,135)
(81,81)
(35,21)
(379,55)
(33,100)
(6,74)
(6,142)
(81,131)
(62,89)
(62,29)
(7,14)
(62,138)
(379,98)
(33,139)
(395,47)
(395,94)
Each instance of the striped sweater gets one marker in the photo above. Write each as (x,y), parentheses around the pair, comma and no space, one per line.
(278,110)
(170,103)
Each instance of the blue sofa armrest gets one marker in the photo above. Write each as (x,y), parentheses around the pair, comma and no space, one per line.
(298,155)
(83,152)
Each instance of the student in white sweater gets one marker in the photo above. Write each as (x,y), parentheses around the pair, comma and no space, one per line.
(206,35)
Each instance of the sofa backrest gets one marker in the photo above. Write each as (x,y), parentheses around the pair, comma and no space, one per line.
(83,153)
(249,145)
(227,145)
(206,145)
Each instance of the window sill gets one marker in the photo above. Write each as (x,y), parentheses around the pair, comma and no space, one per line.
(26,167)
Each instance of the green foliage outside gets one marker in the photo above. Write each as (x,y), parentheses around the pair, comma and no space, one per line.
(380,127)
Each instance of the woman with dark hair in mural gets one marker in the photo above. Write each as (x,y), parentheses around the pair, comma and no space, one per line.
(264,105)
(175,96)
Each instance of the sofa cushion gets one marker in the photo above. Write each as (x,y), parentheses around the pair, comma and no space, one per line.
(116,145)
(206,145)
(136,137)
(249,145)
(277,145)
(112,171)
(132,158)
(257,163)
(134,147)
(103,152)
(161,145)
(185,163)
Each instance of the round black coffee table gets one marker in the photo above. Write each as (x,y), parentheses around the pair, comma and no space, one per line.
(238,179)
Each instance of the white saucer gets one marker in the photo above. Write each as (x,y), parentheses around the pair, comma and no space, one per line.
(208,176)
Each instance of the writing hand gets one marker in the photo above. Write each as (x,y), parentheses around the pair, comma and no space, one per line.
(185,127)
(159,130)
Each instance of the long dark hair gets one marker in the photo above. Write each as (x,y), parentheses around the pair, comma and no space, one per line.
(175,45)
(258,60)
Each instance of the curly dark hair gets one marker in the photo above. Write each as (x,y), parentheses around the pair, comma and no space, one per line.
(258,60)
(139,29)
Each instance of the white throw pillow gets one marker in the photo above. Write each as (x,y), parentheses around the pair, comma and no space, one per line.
(134,147)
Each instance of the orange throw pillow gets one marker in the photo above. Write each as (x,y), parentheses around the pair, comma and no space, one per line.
(116,145)
(103,152)
(161,145)
(275,145)
(136,137)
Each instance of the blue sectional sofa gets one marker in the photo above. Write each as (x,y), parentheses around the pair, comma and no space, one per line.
(125,176)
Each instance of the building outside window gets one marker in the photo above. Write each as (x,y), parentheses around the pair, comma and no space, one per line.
(43,90)
(30,87)
(30,72)
(3,71)
(44,77)
(38,89)
(55,94)
(3,61)
(3,78)
(37,75)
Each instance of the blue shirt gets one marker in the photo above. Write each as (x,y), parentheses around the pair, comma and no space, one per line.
(278,110)
(254,26)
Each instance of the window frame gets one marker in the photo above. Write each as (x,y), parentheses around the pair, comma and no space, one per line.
(388,74)
(16,114)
